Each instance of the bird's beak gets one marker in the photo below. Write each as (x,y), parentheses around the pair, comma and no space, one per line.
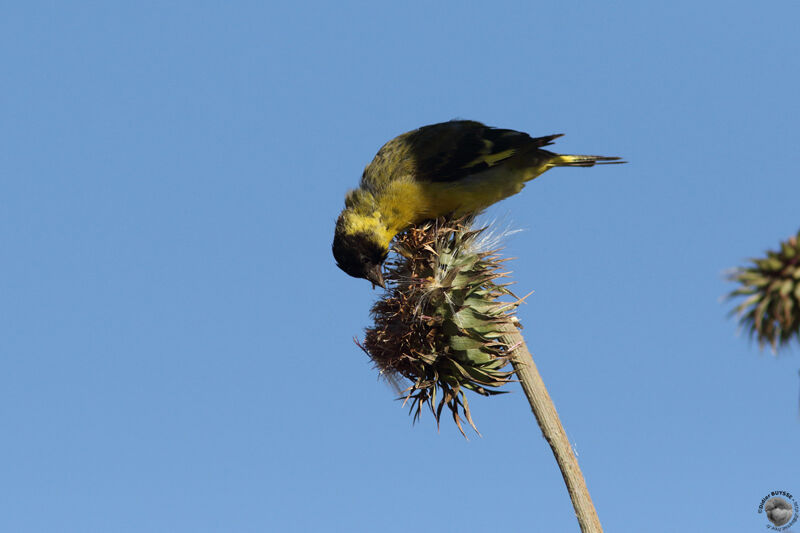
(375,275)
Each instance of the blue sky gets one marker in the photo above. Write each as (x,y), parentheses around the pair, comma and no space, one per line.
(176,346)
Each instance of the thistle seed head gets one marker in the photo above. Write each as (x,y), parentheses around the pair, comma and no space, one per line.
(440,322)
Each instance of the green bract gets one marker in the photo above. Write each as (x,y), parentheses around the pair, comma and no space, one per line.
(439,324)
(771,290)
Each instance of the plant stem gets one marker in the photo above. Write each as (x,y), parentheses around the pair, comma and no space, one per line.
(547,417)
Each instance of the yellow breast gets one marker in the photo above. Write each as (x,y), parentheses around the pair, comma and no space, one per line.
(407,202)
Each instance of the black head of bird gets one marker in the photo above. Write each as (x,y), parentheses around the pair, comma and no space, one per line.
(359,256)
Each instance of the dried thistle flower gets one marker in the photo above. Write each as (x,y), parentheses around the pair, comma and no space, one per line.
(440,322)
(771,287)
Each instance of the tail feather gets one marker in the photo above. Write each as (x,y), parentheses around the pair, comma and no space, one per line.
(546,140)
(584,160)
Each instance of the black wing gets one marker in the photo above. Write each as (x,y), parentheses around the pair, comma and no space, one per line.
(453,150)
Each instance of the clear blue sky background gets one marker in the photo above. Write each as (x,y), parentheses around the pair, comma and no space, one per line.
(176,346)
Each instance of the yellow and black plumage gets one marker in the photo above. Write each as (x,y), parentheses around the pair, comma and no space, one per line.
(452,168)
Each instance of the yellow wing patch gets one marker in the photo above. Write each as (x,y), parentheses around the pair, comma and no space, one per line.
(486,155)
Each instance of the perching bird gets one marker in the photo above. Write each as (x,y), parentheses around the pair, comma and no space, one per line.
(449,169)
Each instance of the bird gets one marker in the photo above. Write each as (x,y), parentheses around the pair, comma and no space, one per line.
(449,169)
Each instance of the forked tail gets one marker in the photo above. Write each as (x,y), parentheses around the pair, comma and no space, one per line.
(584,160)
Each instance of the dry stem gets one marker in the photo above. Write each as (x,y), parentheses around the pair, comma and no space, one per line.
(547,417)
